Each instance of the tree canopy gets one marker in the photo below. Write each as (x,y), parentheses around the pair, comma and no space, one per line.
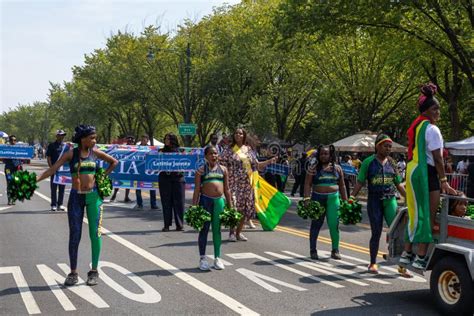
(295,70)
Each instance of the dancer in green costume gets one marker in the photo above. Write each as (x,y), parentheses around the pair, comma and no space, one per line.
(82,163)
(210,185)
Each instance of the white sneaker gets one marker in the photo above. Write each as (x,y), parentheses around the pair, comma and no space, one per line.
(241,237)
(232,238)
(53,208)
(203,264)
(62,208)
(218,265)
(251,224)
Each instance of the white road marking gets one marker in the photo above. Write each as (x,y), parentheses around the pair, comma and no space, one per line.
(338,270)
(393,270)
(22,285)
(200,286)
(249,255)
(314,267)
(258,279)
(149,295)
(5,207)
(226,263)
(54,279)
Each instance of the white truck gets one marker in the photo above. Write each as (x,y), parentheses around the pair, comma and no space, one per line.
(451,258)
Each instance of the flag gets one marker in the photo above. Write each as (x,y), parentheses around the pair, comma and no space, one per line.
(270,204)
(418,198)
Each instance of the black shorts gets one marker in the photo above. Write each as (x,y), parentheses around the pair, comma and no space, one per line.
(433,180)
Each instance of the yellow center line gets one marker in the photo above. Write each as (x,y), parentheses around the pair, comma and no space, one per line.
(323,238)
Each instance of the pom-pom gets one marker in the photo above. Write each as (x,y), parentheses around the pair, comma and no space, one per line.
(350,212)
(104,183)
(196,216)
(230,217)
(310,209)
(22,185)
(470,211)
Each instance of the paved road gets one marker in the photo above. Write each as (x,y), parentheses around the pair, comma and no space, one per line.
(145,271)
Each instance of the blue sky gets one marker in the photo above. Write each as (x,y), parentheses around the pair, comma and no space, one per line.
(42,40)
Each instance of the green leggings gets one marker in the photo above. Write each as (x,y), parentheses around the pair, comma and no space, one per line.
(93,204)
(214,206)
(378,209)
(331,203)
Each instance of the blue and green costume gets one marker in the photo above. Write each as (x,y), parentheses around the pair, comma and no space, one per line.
(78,201)
(381,203)
(214,205)
(331,203)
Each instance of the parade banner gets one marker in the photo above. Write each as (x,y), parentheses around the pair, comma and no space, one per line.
(16,152)
(139,166)
(348,169)
(277,168)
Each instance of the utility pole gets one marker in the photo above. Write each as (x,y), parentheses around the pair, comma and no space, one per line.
(187,104)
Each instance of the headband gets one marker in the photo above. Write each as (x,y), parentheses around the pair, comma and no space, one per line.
(82,131)
(382,138)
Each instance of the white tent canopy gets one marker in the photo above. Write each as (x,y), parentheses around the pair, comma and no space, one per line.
(363,142)
(463,147)
(156,142)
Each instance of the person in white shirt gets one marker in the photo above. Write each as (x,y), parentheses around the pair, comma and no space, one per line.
(462,166)
(402,165)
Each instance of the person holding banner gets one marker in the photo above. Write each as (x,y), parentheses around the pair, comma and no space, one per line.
(11,166)
(381,173)
(324,183)
(241,161)
(425,177)
(144,142)
(83,165)
(130,142)
(53,153)
(172,188)
(211,185)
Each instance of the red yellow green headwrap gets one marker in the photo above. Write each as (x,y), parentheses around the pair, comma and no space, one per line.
(382,138)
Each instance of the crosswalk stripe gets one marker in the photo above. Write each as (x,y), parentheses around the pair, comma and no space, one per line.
(226,263)
(315,267)
(284,267)
(338,269)
(394,271)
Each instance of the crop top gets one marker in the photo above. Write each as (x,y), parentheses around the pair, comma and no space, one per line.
(88,164)
(216,175)
(325,178)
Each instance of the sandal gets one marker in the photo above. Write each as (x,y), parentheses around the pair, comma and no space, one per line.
(373,268)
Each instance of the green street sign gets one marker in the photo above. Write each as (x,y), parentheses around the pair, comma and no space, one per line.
(187,129)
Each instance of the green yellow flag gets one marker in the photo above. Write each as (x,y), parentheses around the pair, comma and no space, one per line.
(417,194)
(270,204)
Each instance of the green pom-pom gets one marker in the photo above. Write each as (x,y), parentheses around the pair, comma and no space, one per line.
(22,185)
(350,212)
(230,217)
(312,209)
(470,211)
(196,216)
(104,183)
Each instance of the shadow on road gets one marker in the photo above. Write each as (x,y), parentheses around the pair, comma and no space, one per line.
(417,302)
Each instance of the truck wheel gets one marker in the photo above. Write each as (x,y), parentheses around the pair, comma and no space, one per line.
(452,286)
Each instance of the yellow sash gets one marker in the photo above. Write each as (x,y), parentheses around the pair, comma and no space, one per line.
(245,158)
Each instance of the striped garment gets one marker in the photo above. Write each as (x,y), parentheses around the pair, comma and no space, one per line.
(419,224)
